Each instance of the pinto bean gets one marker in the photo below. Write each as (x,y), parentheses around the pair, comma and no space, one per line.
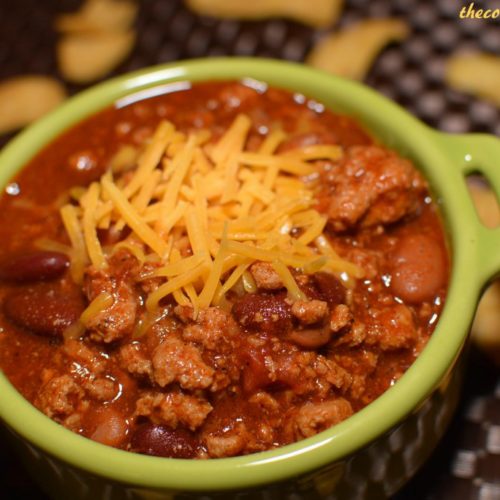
(311,338)
(308,139)
(34,266)
(111,427)
(419,268)
(42,311)
(161,441)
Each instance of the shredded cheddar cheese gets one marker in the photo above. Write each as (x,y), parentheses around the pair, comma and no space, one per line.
(99,304)
(89,202)
(200,213)
(287,278)
(78,255)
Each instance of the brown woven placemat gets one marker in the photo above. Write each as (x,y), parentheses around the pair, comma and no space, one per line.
(466,465)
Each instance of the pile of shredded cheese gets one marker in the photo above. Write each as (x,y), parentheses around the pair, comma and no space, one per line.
(202,212)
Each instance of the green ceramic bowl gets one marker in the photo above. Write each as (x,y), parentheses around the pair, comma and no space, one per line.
(375,451)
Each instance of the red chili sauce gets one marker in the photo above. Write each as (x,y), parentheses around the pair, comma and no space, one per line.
(265,373)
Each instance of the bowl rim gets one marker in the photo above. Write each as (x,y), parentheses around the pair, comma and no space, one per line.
(396,128)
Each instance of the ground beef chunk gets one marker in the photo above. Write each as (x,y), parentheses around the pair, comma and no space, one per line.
(118,320)
(310,373)
(265,401)
(333,373)
(176,361)
(184,313)
(391,327)
(173,409)
(214,328)
(102,389)
(361,364)
(135,361)
(228,444)
(124,264)
(61,398)
(93,360)
(340,318)
(216,335)
(372,185)
(266,278)
(316,417)
(352,336)
(309,312)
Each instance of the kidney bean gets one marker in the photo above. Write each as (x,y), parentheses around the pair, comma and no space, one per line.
(112,235)
(43,311)
(161,441)
(34,266)
(419,268)
(311,338)
(264,313)
(329,288)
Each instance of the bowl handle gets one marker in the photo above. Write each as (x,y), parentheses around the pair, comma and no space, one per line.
(479,153)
